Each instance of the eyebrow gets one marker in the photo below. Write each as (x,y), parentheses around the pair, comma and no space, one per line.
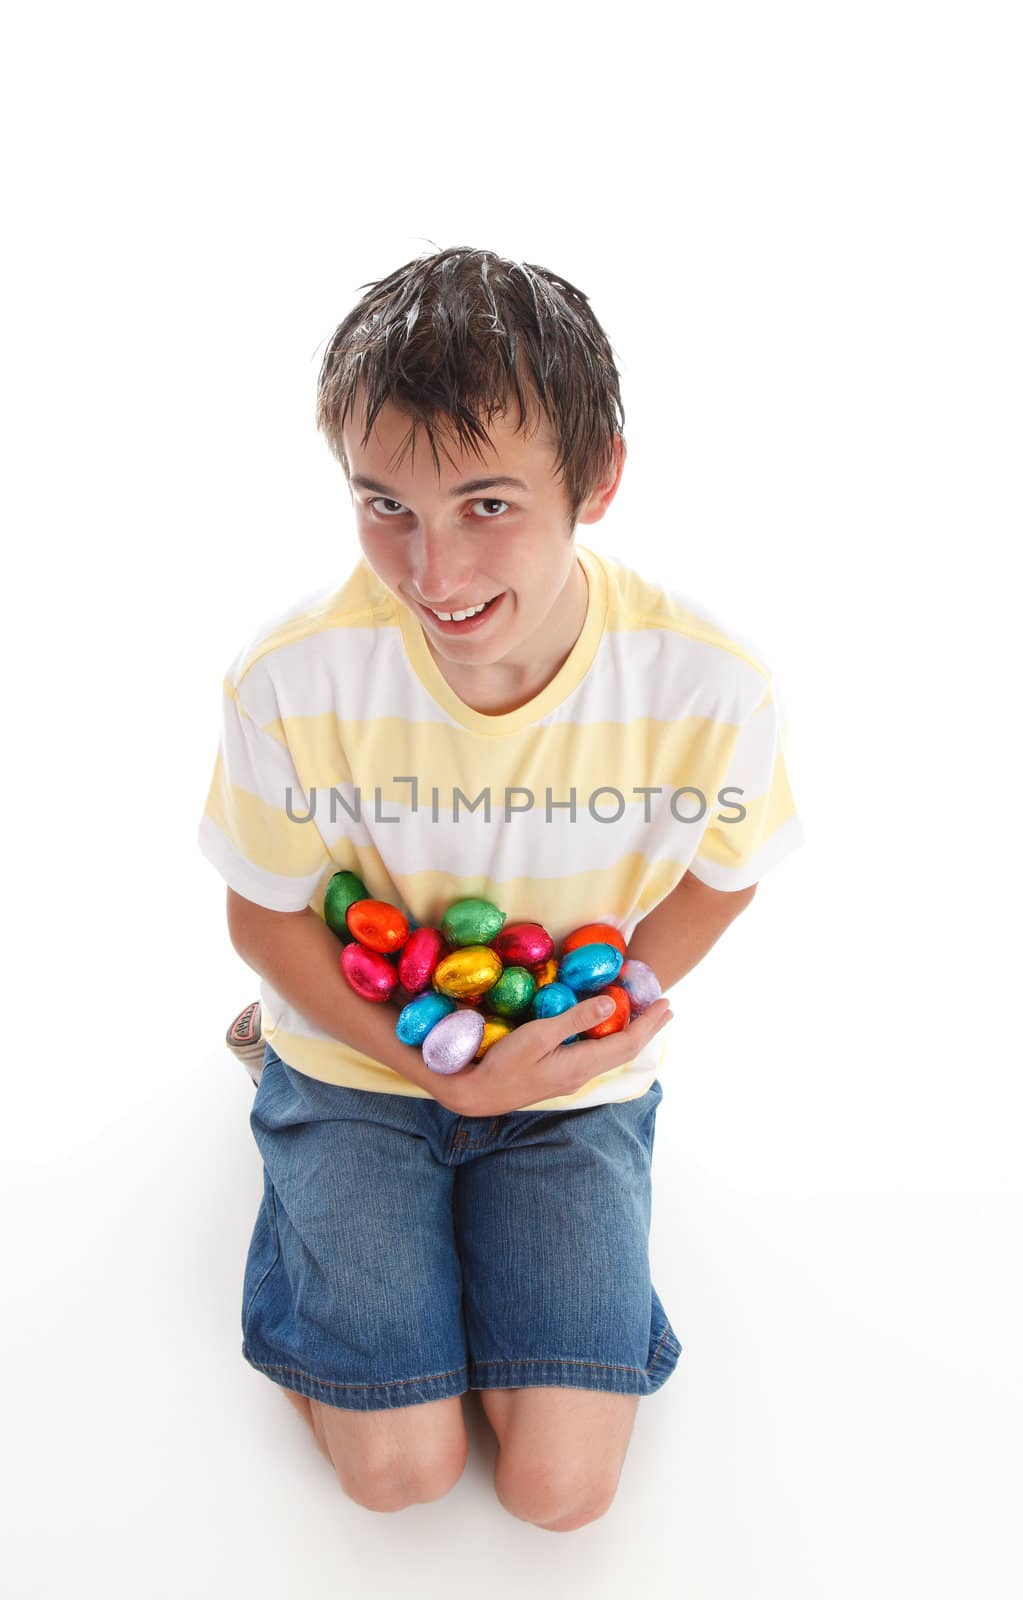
(473,486)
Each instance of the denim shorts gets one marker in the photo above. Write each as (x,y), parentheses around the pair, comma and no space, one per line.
(403,1253)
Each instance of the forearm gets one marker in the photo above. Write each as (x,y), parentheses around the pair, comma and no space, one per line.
(678,932)
(299,956)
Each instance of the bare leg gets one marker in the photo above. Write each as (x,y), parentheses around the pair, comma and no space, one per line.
(305,1410)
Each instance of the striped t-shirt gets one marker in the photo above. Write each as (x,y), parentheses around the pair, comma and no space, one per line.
(343,746)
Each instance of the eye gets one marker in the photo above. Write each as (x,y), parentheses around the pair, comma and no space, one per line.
(402,510)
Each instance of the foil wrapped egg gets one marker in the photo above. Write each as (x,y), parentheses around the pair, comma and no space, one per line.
(494,1028)
(619,1017)
(546,972)
(453,1041)
(378,925)
(418,959)
(512,992)
(468,973)
(471,921)
(593,933)
(552,1000)
(420,1015)
(590,967)
(370,974)
(640,984)
(523,944)
(341,892)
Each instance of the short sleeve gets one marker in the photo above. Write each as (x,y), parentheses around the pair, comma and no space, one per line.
(754,823)
(256,828)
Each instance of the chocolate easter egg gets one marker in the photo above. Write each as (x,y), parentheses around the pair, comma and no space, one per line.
(378,925)
(470,971)
(420,1015)
(419,958)
(640,984)
(369,973)
(546,972)
(512,992)
(593,933)
(471,921)
(494,1028)
(453,1041)
(619,1017)
(341,892)
(523,944)
(552,1000)
(590,967)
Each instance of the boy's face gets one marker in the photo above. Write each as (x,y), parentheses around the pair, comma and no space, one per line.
(446,542)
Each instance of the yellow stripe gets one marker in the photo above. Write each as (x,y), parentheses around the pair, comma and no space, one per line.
(727,844)
(341,1064)
(263,834)
(693,750)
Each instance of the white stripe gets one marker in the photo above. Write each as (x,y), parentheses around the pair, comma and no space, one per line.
(358,674)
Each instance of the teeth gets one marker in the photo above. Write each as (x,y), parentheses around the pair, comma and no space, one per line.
(457,616)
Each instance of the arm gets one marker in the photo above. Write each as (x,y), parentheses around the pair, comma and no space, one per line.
(679,931)
(297,953)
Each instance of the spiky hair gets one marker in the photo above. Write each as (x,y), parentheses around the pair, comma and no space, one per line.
(449,337)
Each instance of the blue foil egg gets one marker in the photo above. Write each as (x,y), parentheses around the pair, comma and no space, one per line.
(420,1015)
(551,1001)
(590,967)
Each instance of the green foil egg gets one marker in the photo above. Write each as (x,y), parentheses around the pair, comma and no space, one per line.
(512,992)
(471,921)
(341,892)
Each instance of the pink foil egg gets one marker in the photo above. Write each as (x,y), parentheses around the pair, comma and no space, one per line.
(522,944)
(453,1041)
(369,973)
(419,958)
(640,984)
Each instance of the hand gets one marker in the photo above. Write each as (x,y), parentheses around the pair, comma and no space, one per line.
(531,1063)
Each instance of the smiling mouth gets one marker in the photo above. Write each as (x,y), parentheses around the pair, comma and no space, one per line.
(462,614)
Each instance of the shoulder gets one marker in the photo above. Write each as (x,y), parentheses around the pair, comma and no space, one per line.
(656,624)
(286,642)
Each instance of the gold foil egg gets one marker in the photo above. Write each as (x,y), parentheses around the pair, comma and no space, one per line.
(468,973)
(494,1028)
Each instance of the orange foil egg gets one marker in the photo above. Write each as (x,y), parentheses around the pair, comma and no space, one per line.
(593,933)
(418,960)
(468,973)
(523,944)
(378,925)
(545,973)
(369,973)
(619,1017)
(494,1028)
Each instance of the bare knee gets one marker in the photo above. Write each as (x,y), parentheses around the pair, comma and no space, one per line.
(395,1485)
(558,1506)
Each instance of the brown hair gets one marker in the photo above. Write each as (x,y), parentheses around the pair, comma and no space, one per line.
(449,336)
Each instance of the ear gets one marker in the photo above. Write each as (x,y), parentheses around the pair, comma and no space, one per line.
(597,502)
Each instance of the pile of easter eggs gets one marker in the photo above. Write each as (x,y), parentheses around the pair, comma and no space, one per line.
(502,975)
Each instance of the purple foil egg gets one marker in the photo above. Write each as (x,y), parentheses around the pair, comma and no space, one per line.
(640,984)
(453,1041)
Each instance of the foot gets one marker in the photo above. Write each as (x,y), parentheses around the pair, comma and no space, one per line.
(245,1040)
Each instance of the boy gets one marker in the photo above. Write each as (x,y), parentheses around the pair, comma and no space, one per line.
(482,708)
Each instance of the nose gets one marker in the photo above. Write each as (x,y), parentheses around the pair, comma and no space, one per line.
(441,565)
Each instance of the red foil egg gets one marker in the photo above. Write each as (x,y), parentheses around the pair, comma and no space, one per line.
(419,958)
(369,973)
(619,1017)
(593,933)
(522,944)
(378,925)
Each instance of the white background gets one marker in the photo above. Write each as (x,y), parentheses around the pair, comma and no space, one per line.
(800,227)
